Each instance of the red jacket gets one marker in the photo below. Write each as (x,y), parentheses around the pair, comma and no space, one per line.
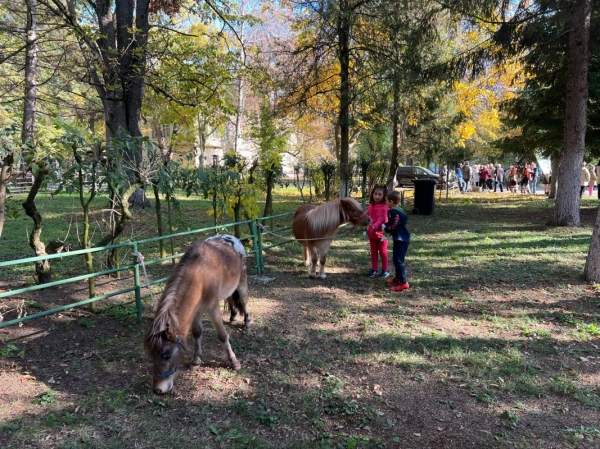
(484,174)
(378,213)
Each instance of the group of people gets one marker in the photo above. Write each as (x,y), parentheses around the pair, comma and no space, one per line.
(523,178)
(387,216)
(482,177)
(590,175)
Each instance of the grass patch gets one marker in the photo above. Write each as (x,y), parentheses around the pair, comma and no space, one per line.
(565,386)
(9,350)
(582,434)
(47,398)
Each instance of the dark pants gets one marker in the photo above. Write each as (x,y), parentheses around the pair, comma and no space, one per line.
(498,184)
(400,249)
(581,191)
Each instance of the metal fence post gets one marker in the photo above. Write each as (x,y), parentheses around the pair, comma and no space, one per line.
(255,246)
(139,307)
(260,251)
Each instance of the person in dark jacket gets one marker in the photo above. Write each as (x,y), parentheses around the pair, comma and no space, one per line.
(396,226)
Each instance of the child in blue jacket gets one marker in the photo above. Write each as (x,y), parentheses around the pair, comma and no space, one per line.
(396,226)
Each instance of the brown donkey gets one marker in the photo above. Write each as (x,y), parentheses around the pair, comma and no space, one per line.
(208,272)
(315,226)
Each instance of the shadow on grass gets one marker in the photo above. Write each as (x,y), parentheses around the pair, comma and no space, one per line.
(102,372)
(312,364)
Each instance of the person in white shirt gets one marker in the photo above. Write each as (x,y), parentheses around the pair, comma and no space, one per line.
(584,179)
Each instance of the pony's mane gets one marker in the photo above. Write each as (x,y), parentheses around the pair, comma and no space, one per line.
(352,209)
(165,318)
(325,218)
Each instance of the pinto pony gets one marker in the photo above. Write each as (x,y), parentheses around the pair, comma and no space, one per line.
(315,227)
(208,272)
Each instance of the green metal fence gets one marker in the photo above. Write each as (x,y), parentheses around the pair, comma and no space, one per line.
(136,247)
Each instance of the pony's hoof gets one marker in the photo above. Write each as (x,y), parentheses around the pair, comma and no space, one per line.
(323,276)
(247,323)
(236,366)
(197,361)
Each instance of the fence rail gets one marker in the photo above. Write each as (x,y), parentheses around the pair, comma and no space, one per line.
(255,226)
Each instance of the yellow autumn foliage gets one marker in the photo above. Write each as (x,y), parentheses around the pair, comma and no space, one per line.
(479,100)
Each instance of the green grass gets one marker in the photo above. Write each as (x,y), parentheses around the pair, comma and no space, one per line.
(62,221)
(498,324)
(11,350)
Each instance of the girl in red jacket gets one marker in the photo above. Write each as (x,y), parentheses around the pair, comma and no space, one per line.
(378,213)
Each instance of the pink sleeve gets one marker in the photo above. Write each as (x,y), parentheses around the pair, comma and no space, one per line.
(379,217)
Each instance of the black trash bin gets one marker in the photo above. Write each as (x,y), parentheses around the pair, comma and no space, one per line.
(424,196)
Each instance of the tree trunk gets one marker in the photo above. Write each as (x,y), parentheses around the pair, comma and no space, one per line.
(85,206)
(119,226)
(123,30)
(299,186)
(592,263)
(201,142)
(5,173)
(31,63)
(237,214)
(42,268)
(240,86)
(327,180)
(238,114)
(364,171)
(2,199)
(566,207)
(336,140)
(554,161)
(269,197)
(159,223)
(395,119)
(89,257)
(345,98)
(170,225)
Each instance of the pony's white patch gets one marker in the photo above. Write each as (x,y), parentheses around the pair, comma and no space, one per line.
(235,243)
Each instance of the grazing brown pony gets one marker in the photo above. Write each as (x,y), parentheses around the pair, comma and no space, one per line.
(208,272)
(315,226)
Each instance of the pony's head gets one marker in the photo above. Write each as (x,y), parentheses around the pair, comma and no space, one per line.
(353,212)
(166,350)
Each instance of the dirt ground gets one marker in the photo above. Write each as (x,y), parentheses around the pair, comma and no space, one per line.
(496,345)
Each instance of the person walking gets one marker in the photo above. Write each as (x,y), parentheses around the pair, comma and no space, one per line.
(533,177)
(546,183)
(467,175)
(490,179)
(592,182)
(513,176)
(524,183)
(483,177)
(584,179)
(459,178)
(499,178)
(475,175)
